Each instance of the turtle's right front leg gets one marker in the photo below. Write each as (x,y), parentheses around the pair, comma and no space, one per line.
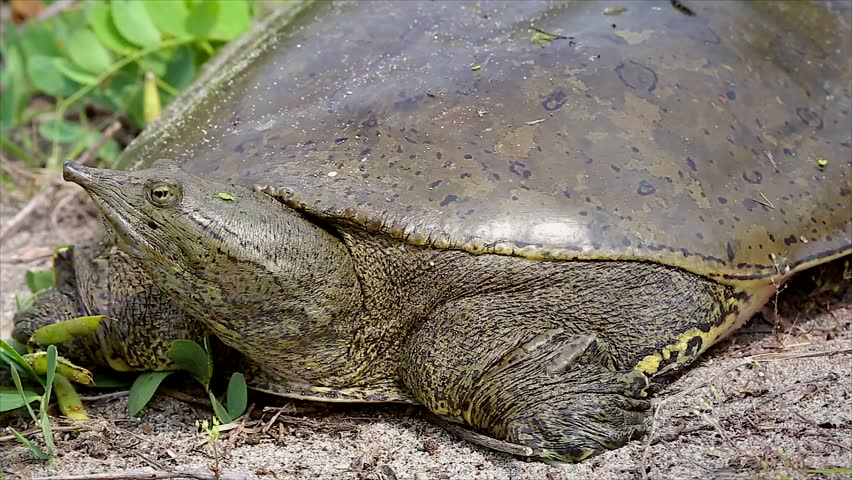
(139,324)
(551,390)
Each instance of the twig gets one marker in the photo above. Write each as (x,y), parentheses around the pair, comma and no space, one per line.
(105,396)
(151,474)
(479,439)
(109,132)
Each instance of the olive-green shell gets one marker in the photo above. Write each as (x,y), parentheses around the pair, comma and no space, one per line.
(718,142)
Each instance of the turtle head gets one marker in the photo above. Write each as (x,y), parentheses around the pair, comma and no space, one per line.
(258,273)
(166,215)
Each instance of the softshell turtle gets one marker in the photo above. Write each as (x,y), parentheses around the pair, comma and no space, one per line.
(511,213)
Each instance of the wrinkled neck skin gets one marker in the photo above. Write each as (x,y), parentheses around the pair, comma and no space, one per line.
(266,280)
(274,286)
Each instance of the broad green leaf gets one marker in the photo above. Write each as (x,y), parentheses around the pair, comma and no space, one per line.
(12,399)
(237,396)
(44,76)
(67,330)
(169,16)
(181,68)
(234,19)
(132,21)
(38,40)
(156,62)
(87,52)
(203,19)
(38,280)
(16,91)
(75,73)
(61,131)
(220,411)
(143,390)
(100,19)
(109,152)
(190,357)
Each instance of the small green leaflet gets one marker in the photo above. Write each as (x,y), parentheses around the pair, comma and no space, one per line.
(821,163)
(226,196)
(542,38)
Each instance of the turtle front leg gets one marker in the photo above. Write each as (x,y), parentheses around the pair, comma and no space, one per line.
(139,324)
(553,391)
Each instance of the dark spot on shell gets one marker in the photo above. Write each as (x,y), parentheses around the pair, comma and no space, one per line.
(691,163)
(844,192)
(465,175)
(755,177)
(152,225)
(635,149)
(637,76)
(340,140)
(567,194)
(700,236)
(554,101)
(239,148)
(723,200)
(366,151)
(468,156)
(495,176)
(409,140)
(435,184)
(448,199)
(790,240)
(439,155)
(626,242)
(617,169)
(731,95)
(645,188)
(771,237)
(809,117)
(583,213)
(730,252)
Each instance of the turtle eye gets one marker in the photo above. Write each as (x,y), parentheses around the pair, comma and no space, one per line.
(163,194)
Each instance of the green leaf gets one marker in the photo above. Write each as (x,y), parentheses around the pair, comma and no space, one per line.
(44,76)
(234,19)
(156,62)
(46,431)
(38,280)
(37,451)
(219,410)
(64,331)
(169,16)
(225,196)
(133,22)
(203,18)
(17,361)
(38,40)
(181,68)
(12,399)
(87,52)
(13,77)
(100,19)
(237,396)
(60,131)
(190,357)
(75,73)
(109,152)
(143,390)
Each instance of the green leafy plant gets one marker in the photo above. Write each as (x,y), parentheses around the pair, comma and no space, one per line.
(196,360)
(92,61)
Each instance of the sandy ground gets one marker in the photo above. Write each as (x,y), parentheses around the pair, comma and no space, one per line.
(763,404)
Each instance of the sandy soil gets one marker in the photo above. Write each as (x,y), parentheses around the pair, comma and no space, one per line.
(763,404)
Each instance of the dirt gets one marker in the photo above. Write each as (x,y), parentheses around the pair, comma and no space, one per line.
(769,402)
